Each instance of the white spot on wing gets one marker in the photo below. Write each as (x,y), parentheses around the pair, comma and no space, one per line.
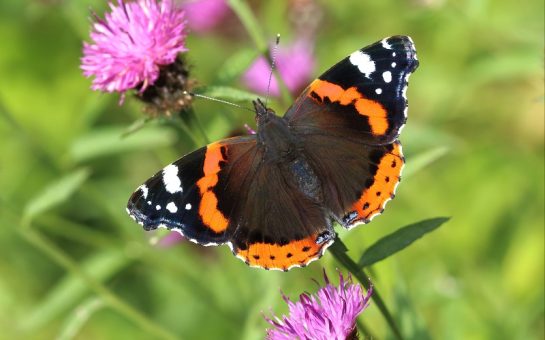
(413,48)
(172,207)
(157,207)
(404,90)
(394,64)
(387,76)
(363,62)
(144,190)
(171,179)
(385,44)
(378,91)
(188,206)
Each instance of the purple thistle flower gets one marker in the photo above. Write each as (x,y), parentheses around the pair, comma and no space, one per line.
(203,15)
(329,314)
(131,43)
(173,238)
(294,63)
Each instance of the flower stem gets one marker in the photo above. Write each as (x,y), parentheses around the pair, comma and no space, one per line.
(338,249)
(80,317)
(364,330)
(249,22)
(197,122)
(252,26)
(104,293)
(181,125)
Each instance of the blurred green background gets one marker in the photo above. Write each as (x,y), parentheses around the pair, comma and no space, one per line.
(73,265)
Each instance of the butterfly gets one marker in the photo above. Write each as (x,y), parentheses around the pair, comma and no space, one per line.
(273,197)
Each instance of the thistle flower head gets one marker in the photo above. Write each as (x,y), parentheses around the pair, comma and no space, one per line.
(131,43)
(329,314)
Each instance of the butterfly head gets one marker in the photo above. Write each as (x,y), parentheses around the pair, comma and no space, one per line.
(273,131)
(262,113)
(265,117)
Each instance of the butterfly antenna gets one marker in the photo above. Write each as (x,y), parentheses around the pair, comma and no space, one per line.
(218,100)
(273,64)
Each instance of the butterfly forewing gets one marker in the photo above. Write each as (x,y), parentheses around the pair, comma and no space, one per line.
(348,120)
(183,195)
(362,97)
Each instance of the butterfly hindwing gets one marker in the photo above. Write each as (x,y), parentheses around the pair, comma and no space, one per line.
(386,164)
(358,179)
(278,226)
(225,193)
(350,172)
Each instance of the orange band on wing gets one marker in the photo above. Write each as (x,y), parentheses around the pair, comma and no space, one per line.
(372,200)
(273,256)
(208,208)
(375,112)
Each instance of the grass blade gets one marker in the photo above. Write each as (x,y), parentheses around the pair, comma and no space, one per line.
(79,318)
(423,159)
(70,289)
(102,291)
(114,140)
(54,194)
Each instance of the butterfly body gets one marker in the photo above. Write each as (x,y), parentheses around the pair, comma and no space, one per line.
(273,196)
(273,135)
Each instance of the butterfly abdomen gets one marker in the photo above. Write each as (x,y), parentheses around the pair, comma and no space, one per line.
(306,179)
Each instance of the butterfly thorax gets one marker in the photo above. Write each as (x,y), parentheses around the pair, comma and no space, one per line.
(274,135)
(280,147)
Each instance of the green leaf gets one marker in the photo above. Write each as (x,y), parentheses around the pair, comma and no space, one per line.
(136,126)
(55,193)
(235,65)
(399,240)
(226,93)
(111,141)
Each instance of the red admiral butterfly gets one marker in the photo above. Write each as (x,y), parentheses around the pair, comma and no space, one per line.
(272,197)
